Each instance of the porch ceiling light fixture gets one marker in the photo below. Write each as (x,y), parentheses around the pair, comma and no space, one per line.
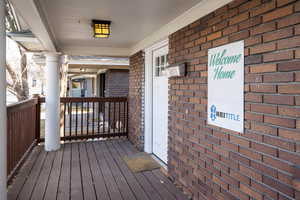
(82,69)
(101,28)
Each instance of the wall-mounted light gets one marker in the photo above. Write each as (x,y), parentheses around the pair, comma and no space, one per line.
(101,28)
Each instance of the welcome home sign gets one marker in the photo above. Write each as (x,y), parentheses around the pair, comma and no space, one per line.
(226,86)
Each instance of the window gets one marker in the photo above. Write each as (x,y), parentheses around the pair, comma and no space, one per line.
(161,62)
(33,83)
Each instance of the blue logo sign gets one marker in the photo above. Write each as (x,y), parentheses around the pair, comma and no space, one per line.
(213,112)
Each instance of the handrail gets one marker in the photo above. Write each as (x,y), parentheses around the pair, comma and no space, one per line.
(22,105)
(87,99)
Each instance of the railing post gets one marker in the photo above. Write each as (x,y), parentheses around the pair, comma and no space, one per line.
(38,121)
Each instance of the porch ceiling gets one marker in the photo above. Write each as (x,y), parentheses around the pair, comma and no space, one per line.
(65,25)
(69,22)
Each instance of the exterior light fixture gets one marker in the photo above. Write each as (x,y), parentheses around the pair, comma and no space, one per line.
(101,28)
(82,69)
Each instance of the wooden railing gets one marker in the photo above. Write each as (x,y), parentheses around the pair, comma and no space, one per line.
(81,119)
(94,117)
(21,132)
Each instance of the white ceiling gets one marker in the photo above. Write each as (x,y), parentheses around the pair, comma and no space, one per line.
(132,20)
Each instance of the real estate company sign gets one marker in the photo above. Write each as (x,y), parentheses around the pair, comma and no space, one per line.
(226,86)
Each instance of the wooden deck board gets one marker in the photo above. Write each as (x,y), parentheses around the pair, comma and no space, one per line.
(76,177)
(53,182)
(64,183)
(92,170)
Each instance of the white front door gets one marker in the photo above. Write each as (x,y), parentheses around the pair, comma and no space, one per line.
(160,103)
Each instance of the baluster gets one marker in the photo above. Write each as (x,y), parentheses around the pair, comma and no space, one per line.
(93,118)
(70,118)
(65,118)
(87,116)
(76,121)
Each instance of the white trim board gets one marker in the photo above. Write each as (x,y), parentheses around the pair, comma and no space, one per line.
(149,94)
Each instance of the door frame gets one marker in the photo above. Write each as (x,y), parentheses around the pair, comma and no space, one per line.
(148,143)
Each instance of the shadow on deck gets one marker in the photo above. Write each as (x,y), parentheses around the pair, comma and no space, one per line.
(88,170)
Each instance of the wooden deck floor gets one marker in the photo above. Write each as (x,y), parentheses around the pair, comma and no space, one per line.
(88,171)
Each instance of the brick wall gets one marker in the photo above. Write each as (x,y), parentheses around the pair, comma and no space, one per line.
(116,83)
(136,83)
(215,163)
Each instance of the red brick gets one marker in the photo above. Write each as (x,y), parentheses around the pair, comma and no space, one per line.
(289,66)
(264,168)
(289,43)
(255,59)
(251,173)
(279,34)
(263,48)
(250,23)
(220,41)
(279,142)
(277,163)
(289,134)
(253,40)
(236,3)
(239,18)
(230,29)
(263,28)
(263,8)
(239,36)
(289,89)
(277,56)
(263,68)
(263,88)
(277,185)
(250,4)
(265,190)
(297,76)
(253,78)
(214,36)
(279,121)
(252,97)
(290,20)
(297,30)
(284,2)
(263,128)
(297,100)
(278,77)
(292,157)
(267,149)
(279,99)
(297,53)
(250,154)
(297,6)
(278,13)
(201,40)
(264,108)
(240,141)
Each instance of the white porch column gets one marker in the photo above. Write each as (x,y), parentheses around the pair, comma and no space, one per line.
(52,136)
(3,130)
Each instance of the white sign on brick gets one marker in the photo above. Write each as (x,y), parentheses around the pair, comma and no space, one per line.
(226,86)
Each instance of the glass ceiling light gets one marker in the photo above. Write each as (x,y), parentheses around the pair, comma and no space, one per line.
(101,28)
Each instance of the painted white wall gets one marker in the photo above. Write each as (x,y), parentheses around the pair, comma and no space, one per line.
(52,137)
(3,128)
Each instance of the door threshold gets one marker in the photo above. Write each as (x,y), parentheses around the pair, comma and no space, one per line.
(160,162)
